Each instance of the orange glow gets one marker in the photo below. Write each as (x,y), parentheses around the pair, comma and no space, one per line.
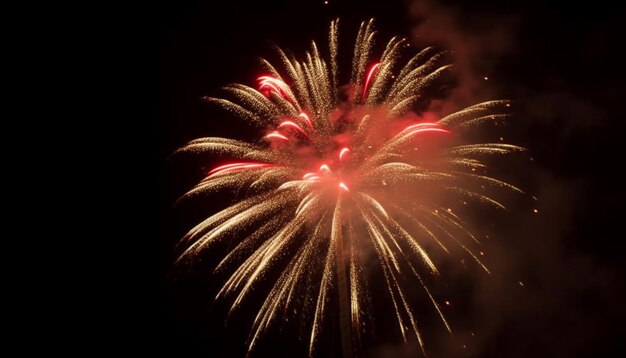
(368,80)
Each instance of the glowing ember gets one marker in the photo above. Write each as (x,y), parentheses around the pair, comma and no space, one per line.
(325,168)
(291,124)
(276,135)
(343,153)
(306,119)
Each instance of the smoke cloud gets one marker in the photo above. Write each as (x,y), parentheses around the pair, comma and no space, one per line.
(554,289)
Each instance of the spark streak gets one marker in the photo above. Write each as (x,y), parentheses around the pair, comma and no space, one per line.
(276,135)
(368,80)
(343,153)
(291,124)
(306,119)
(236,166)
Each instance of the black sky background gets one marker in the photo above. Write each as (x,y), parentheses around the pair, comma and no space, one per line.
(561,66)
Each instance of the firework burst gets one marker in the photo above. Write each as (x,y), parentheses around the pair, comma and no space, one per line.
(343,176)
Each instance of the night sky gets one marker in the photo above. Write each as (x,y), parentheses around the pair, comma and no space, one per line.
(561,66)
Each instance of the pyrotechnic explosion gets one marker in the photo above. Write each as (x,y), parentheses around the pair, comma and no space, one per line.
(344,175)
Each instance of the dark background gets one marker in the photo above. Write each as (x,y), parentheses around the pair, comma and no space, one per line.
(561,64)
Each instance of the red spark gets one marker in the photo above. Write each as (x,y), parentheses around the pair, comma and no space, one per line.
(276,135)
(422,128)
(293,125)
(237,166)
(343,152)
(306,118)
(369,78)
(276,85)
(430,130)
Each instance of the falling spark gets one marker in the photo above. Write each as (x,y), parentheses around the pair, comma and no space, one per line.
(236,166)
(276,135)
(306,119)
(343,153)
(308,235)
(369,79)
(274,84)
(291,124)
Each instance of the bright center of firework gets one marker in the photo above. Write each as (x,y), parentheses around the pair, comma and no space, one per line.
(327,155)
